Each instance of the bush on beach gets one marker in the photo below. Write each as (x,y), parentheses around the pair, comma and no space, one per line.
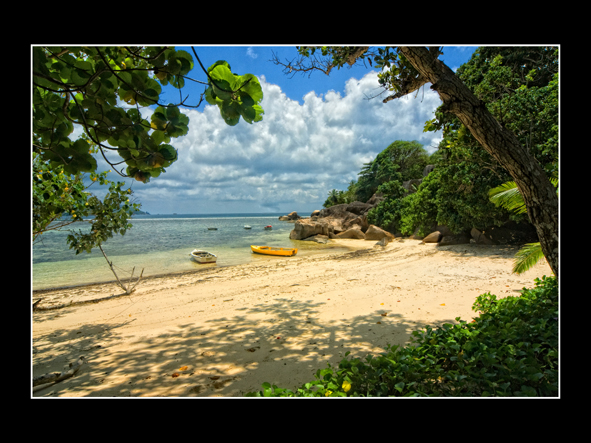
(511,349)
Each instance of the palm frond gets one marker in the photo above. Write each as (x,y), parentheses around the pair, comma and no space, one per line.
(508,197)
(527,257)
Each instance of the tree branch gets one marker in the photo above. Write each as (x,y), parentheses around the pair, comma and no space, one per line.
(406,87)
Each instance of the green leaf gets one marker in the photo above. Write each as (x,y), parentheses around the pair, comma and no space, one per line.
(219,63)
(159,137)
(509,197)
(168,152)
(250,84)
(527,257)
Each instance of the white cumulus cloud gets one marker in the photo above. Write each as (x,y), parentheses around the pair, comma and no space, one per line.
(291,159)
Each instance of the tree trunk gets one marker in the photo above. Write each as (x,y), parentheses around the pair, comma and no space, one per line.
(539,194)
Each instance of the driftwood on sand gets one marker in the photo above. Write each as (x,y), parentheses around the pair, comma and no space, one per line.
(36,306)
(51,378)
(129,288)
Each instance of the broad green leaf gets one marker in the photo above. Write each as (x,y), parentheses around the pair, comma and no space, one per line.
(168,152)
(218,63)
(252,88)
(159,136)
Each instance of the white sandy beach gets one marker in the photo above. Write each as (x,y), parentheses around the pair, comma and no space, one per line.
(222,332)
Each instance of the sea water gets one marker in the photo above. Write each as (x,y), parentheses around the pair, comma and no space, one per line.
(161,244)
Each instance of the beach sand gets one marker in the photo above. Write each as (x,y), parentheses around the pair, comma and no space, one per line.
(222,332)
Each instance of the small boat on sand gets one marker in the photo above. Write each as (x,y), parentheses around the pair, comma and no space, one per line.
(247,227)
(268,227)
(270,250)
(203,256)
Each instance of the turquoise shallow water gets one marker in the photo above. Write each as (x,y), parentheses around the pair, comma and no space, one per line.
(161,244)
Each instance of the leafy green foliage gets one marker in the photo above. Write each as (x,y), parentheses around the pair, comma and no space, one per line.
(419,210)
(337,197)
(91,86)
(466,174)
(111,216)
(59,200)
(508,196)
(85,86)
(387,213)
(235,95)
(527,256)
(519,87)
(54,194)
(510,350)
(401,160)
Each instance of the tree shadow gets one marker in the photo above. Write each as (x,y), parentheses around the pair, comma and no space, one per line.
(478,250)
(281,341)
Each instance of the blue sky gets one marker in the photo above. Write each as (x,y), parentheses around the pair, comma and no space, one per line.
(316,134)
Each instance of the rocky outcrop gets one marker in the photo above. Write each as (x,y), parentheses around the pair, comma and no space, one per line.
(334,221)
(510,233)
(376,233)
(349,220)
(292,216)
(480,238)
(412,185)
(306,227)
(376,199)
(352,233)
(318,238)
(433,237)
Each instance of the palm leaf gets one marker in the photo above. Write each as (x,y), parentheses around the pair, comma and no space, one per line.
(508,197)
(527,256)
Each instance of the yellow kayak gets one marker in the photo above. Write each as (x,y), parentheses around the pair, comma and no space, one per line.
(269,250)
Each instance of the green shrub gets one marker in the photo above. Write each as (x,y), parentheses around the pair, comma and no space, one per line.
(511,349)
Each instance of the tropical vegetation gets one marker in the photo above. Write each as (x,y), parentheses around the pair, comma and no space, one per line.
(520,88)
(504,104)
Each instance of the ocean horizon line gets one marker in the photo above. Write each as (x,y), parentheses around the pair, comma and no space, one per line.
(214,215)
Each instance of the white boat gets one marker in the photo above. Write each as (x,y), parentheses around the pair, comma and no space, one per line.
(247,227)
(203,256)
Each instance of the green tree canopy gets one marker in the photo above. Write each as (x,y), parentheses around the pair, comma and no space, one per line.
(337,197)
(401,160)
(101,91)
(520,87)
